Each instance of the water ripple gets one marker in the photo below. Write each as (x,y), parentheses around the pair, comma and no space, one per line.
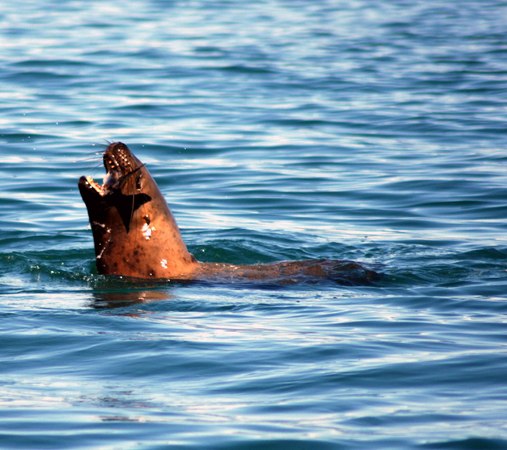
(370,131)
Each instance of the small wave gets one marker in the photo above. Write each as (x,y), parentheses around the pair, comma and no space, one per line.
(473,443)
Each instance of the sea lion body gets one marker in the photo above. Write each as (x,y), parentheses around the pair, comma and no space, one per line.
(135,234)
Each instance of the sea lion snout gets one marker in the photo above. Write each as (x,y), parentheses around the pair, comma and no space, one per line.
(120,165)
(118,158)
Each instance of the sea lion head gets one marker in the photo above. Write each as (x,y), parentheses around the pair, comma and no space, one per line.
(134,231)
(124,188)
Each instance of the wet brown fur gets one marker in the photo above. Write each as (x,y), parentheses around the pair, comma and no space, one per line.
(135,234)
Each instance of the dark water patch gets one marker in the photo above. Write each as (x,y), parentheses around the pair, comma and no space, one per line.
(28,138)
(273,444)
(247,70)
(35,78)
(46,265)
(468,444)
(52,62)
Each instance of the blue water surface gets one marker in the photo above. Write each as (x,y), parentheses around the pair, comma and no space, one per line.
(277,129)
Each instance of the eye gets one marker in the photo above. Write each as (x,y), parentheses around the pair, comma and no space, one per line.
(138,182)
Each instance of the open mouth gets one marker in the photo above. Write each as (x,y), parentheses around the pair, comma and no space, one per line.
(114,173)
(110,183)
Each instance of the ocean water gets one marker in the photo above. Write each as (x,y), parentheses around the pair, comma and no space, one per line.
(277,129)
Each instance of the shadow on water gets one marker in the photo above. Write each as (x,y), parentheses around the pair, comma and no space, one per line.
(127,296)
(115,292)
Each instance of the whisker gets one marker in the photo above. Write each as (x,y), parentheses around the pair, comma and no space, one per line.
(86,159)
(93,155)
(92,162)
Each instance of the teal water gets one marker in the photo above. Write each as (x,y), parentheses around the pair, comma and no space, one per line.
(276,129)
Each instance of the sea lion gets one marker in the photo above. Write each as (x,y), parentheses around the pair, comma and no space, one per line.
(135,234)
